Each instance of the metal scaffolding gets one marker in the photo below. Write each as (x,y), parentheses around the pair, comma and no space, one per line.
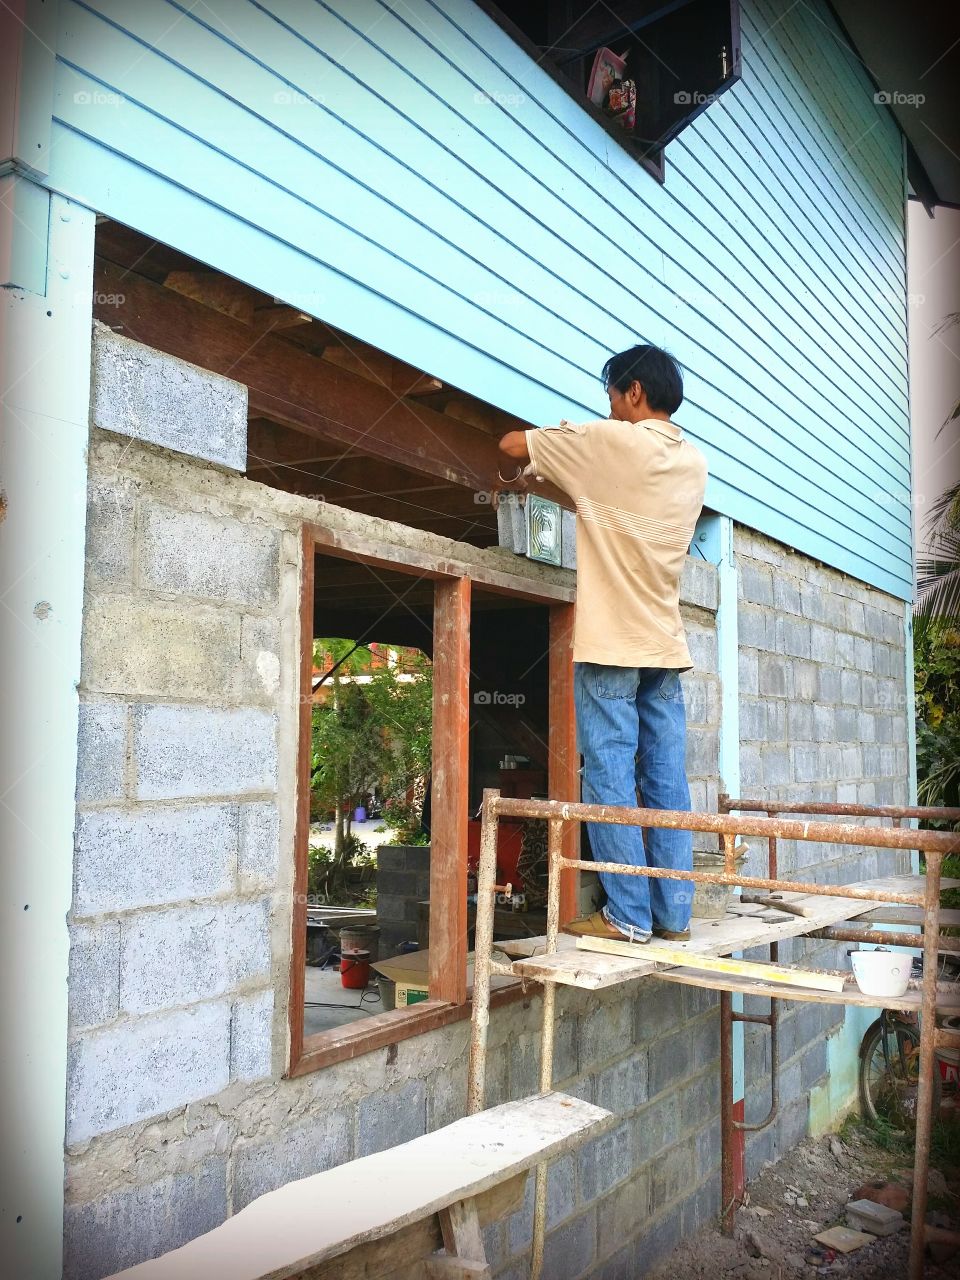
(773,826)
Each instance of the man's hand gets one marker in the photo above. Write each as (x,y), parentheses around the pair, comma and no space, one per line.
(514,446)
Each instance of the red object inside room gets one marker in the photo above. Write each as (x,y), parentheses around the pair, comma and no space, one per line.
(509,841)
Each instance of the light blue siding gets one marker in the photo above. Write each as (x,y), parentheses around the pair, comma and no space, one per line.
(416,179)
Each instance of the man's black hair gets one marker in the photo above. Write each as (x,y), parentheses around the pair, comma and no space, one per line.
(656,371)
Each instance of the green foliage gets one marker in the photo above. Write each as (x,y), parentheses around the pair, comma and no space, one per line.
(371,733)
(405,821)
(937,665)
(325,875)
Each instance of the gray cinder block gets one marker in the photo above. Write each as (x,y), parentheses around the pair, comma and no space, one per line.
(185,751)
(101,751)
(140,392)
(262,1166)
(134,1070)
(110,532)
(146,856)
(170,958)
(389,1118)
(259,844)
(137,1223)
(209,557)
(251,1037)
(94,982)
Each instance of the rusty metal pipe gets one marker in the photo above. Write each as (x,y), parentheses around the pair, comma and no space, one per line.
(728,1178)
(727,803)
(752,882)
(720,824)
(928,1064)
(883,937)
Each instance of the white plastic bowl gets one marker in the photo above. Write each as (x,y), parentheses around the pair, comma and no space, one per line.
(882,973)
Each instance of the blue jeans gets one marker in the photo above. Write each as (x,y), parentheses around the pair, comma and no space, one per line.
(631,731)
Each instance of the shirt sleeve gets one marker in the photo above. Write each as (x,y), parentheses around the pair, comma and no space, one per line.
(560,453)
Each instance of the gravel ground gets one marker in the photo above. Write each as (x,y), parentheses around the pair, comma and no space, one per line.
(804,1193)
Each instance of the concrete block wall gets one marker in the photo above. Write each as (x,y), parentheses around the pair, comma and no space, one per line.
(403,881)
(179,1112)
(823,717)
(187,609)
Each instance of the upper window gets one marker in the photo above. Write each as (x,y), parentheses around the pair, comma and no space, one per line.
(643,67)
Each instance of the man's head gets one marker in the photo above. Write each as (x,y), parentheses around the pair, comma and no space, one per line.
(644,382)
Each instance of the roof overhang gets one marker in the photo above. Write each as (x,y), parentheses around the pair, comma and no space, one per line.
(912,53)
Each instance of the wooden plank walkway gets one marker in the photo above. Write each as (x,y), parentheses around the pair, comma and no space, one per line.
(948,994)
(575,967)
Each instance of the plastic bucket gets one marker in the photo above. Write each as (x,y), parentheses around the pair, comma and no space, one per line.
(882,973)
(388,992)
(354,968)
(948,1059)
(361,937)
(710,900)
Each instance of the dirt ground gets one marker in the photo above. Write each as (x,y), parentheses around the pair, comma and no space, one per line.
(804,1193)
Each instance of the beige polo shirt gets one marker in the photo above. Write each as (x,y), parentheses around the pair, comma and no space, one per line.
(639,489)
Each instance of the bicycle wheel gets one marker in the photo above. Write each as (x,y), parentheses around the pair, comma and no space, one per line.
(889,1081)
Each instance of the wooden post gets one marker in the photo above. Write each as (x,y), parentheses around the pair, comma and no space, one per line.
(564,761)
(298,950)
(449,800)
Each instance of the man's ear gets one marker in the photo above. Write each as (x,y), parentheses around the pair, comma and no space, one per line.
(636,392)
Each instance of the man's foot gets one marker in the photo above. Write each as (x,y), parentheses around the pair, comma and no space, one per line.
(671,935)
(596,926)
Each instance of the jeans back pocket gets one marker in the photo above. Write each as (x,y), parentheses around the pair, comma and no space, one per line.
(617,682)
(671,687)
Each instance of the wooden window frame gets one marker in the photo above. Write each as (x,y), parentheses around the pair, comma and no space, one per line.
(653,160)
(454,581)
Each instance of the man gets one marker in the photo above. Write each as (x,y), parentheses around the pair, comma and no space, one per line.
(638,487)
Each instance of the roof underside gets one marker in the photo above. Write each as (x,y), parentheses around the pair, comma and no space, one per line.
(914,57)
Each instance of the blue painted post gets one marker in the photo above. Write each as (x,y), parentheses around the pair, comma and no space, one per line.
(714,538)
(45,396)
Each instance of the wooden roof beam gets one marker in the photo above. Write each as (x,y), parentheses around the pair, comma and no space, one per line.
(290,386)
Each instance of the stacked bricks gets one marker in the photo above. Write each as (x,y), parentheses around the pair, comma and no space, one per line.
(403,882)
(823,717)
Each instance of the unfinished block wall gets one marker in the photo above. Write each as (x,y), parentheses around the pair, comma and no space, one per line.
(823,717)
(179,1113)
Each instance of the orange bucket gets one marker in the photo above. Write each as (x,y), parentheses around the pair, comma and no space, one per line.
(355,968)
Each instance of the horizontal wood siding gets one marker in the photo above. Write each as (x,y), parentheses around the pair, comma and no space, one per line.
(408,173)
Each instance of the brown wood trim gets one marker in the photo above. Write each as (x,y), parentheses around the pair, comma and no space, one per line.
(563,760)
(384,1029)
(354,546)
(298,951)
(448,1001)
(652,160)
(450,795)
